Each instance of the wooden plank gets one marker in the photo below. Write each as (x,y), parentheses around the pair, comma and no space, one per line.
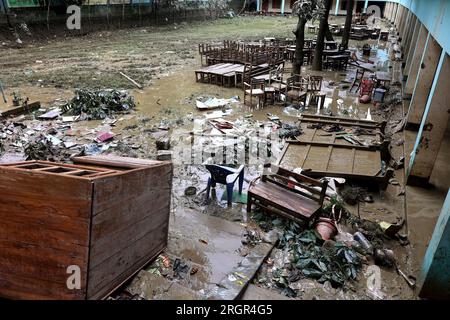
(47,264)
(129,186)
(276,194)
(26,192)
(14,286)
(330,151)
(115,161)
(353,160)
(115,270)
(340,122)
(42,236)
(338,145)
(136,219)
(20,109)
(306,156)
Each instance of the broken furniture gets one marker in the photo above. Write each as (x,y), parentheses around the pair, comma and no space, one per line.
(337,62)
(384,35)
(366,89)
(286,193)
(320,155)
(359,75)
(297,89)
(383,79)
(98,222)
(276,82)
(378,127)
(25,108)
(321,159)
(316,96)
(225,175)
(256,88)
(320,152)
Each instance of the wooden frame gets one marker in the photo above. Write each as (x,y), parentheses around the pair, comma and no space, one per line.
(109,217)
(278,193)
(380,151)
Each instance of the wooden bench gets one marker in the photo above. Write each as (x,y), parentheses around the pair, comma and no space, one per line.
(287,193)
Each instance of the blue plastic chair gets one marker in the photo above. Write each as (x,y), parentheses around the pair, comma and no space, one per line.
(226,176)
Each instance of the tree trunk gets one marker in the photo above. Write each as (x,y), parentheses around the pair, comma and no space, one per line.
(48,14)
(317,62)
(89,14)
(107,12)
(123,11)
(348,24)
(6,13)
(328,34)
(139,11)
(299,44)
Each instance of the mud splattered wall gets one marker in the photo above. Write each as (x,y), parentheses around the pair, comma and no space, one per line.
(144,12)
(435,15)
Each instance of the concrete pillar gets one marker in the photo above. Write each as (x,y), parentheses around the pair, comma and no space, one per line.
(396,13)
(411,47)
(387,10)
(434,278)
(424,81)
(336,10)
(405,25)
(415,61)
(391,16)
(433,125)
(401,23)
(399,17)
(409,34)
(258,8)
(282,7)
(392,12)
(366,4)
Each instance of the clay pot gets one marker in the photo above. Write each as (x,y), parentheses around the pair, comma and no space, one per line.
(365,99)
(326,228)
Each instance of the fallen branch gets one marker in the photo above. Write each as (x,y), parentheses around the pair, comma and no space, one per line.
(131,80)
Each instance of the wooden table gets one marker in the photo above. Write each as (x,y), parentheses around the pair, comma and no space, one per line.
(365,66)
(338,62)
(383,79)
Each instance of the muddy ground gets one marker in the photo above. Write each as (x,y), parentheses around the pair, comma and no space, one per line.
(163,59)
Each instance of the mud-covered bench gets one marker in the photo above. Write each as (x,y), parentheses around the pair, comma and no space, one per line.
(287,193)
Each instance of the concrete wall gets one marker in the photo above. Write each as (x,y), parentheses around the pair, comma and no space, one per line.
(112,15)
(434,15)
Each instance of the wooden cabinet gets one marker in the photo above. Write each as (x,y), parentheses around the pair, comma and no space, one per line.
(105,218)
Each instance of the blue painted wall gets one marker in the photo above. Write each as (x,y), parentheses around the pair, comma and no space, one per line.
(435,15)
(434,280)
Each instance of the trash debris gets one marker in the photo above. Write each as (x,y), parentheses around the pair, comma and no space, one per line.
(100,104)
(384,257)
(52,114)
(190,191)
(367,246)
(391,229)
(104,136)
(214,103)
(42,148)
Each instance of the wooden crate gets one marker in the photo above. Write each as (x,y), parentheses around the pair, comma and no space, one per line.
(109,217)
